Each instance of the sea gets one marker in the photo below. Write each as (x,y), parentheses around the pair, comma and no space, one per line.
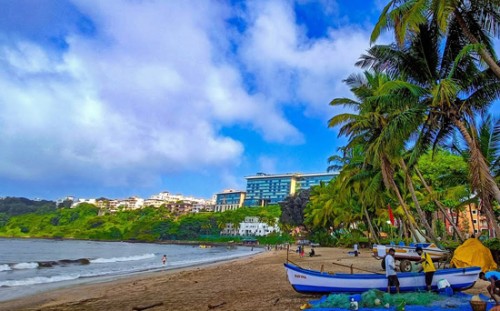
(32,266)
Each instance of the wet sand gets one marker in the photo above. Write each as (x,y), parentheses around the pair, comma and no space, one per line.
(253,283)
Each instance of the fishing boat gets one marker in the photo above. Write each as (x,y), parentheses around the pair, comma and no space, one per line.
(406,253)
(313,281)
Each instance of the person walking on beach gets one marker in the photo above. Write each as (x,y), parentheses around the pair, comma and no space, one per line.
(494,288)
(390,271)
(164,259)
(427,267)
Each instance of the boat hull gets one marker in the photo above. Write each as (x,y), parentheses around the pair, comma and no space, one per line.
(312,281)
(409,253)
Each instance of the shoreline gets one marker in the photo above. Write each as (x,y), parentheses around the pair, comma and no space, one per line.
(46,299)
(255,282)
(12,293)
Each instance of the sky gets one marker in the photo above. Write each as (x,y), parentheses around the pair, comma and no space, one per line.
(131,98)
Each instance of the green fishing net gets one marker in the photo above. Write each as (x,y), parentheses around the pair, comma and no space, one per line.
(335,300)
(375,298)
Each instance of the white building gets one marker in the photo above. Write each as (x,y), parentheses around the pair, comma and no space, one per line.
(252,226)
(229,229)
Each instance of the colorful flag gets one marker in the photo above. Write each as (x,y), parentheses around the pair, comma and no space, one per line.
(391,215)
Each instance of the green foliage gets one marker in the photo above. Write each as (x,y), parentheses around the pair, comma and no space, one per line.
(147,224)
(4,218)
(274,239)
(493,244)
(323,237)
(18,206)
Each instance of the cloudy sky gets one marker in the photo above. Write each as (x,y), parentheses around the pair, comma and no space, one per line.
(121,98)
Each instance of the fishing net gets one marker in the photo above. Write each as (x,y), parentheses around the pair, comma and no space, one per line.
(334,300)
(375,299)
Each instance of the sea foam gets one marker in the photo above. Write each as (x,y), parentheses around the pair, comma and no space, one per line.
(25,265)
(120,259)
(38,280)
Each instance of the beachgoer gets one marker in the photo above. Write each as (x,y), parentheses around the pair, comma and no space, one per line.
(302,251)
(427,267)
(356,252)
(312,252)
(494,288)
(164,259)
(390,271)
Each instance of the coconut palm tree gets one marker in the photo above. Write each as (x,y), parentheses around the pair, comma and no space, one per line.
(454,91)
(488,140)
(377,125)
(359,181)
(477,20)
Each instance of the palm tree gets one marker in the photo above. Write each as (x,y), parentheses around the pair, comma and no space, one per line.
(477,20)
(377,126)
(488,140)
(454,91)
(359,181)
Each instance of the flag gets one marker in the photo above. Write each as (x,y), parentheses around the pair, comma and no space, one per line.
(391,215)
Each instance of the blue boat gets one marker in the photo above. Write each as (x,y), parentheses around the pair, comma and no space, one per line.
(312,281)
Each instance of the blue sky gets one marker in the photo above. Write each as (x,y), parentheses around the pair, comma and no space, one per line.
(122,98)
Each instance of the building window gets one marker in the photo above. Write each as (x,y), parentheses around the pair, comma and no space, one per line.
(474,221)
(474,212)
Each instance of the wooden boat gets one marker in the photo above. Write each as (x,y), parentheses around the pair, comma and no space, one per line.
(312,281)
(409,253)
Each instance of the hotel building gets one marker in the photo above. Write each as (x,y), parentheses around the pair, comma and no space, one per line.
(229,200)
(264,189)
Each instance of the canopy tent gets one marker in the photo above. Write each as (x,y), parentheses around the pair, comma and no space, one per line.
(473,253)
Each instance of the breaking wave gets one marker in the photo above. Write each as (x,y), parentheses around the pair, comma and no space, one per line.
(121,259)
(24,265)
(38,280)
(5,268)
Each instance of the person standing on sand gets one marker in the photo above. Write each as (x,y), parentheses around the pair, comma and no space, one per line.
(390,271)
(494,288)
(427,267)
(164,259)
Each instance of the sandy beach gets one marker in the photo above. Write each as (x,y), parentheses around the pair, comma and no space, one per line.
(253,283)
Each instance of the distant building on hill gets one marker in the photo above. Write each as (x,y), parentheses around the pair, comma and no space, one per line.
(251,226)
(229,200)
(264,189)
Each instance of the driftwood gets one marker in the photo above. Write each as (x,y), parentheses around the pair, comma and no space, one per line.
(156,304)
(217,305)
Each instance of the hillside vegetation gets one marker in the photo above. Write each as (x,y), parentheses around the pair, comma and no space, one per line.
(147,224)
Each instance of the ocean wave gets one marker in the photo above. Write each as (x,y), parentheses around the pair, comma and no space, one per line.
(38,280)
(24,265)
(121,259)
(5,268)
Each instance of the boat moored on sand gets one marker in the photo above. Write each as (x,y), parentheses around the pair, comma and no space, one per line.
(407,253)
(313,281)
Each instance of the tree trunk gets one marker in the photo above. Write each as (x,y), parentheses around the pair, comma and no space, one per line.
(390,183)
(472,220)
(488,210)
(485,54)
(481,178)
(420,212)
(440,206)
(370,226)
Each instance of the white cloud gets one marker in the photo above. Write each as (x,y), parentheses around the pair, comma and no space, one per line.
(291,68)
(149,91)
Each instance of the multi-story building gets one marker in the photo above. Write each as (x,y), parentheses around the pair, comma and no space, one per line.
(229,200)
(252,226)
(264,189)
